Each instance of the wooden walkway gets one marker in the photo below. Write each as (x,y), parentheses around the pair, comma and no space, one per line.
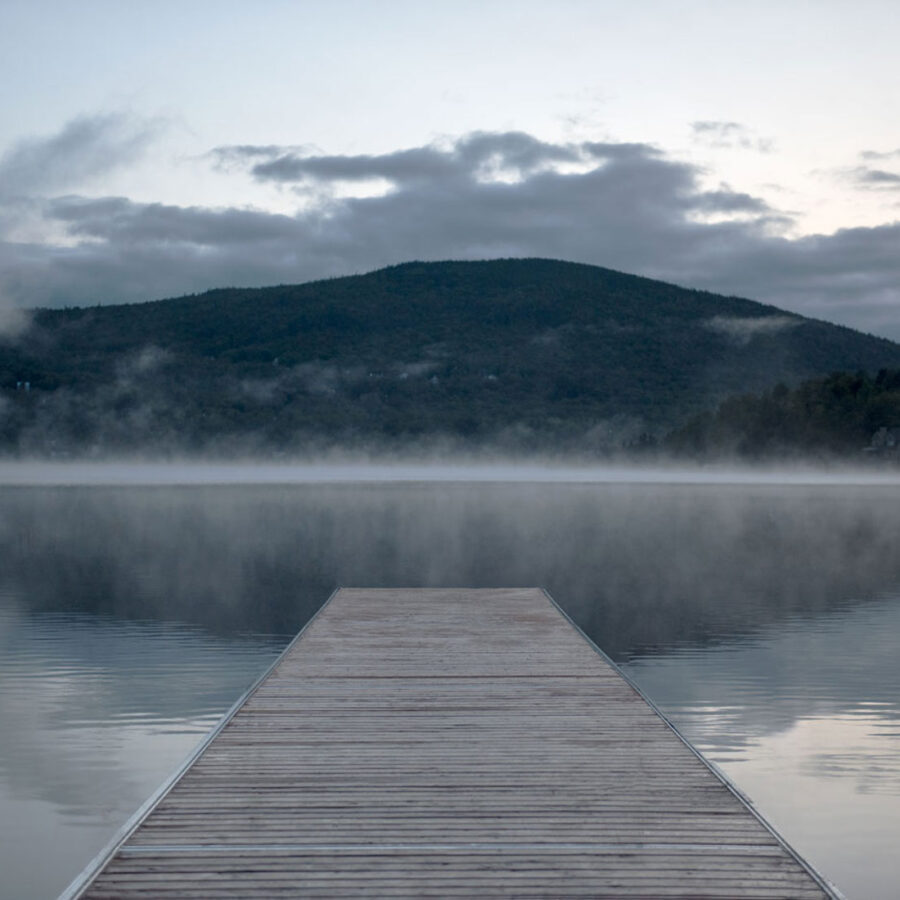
(448,743)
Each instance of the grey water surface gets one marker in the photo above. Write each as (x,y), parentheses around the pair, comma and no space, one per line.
(764,618)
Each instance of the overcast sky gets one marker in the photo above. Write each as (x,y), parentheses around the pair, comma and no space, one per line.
(149,150)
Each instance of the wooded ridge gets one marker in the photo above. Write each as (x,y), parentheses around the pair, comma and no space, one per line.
(518,355)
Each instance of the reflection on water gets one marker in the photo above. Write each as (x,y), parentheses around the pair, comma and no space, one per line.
(94,714)
(762,617)
(805,718)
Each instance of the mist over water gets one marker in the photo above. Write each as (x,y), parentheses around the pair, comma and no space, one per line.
(761,613)
(637,565)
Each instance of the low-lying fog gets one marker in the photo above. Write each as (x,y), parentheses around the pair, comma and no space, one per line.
(657,560)
(211,472)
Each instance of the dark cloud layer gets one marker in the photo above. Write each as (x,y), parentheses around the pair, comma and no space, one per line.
(480,154)
(626,206)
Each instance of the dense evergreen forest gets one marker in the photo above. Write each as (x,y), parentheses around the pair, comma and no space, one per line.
(841,416)
(515,355)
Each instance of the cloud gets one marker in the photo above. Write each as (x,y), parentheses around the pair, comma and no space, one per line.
(442,203)
(725,200)
(874,179)
(31,172)
(13,321)
(742,330)
(878,154)
(238,155)
(871,175)
(627,206)
(730,135)
(484,154)
(85,148)
(117,220)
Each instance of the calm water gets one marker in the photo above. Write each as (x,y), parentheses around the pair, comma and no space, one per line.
(764,618)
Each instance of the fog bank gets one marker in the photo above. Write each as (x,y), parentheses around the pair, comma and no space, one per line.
(137,474)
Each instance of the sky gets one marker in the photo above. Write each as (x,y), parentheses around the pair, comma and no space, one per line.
(155,150)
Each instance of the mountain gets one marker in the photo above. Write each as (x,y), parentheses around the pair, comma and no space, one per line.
(524,353)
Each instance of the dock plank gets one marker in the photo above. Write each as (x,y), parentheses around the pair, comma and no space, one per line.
(448,743)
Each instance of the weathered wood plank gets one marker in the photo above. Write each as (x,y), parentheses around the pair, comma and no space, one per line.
(449,743)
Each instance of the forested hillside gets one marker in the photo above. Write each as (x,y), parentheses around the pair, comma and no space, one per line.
(841,416)
(515,354)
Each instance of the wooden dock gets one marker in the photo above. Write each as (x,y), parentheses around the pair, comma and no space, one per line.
(447,743)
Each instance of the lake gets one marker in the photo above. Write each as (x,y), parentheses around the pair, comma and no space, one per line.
(760,611)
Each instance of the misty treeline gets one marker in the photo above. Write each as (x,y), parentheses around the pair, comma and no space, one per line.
(514,356)
(845,415)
